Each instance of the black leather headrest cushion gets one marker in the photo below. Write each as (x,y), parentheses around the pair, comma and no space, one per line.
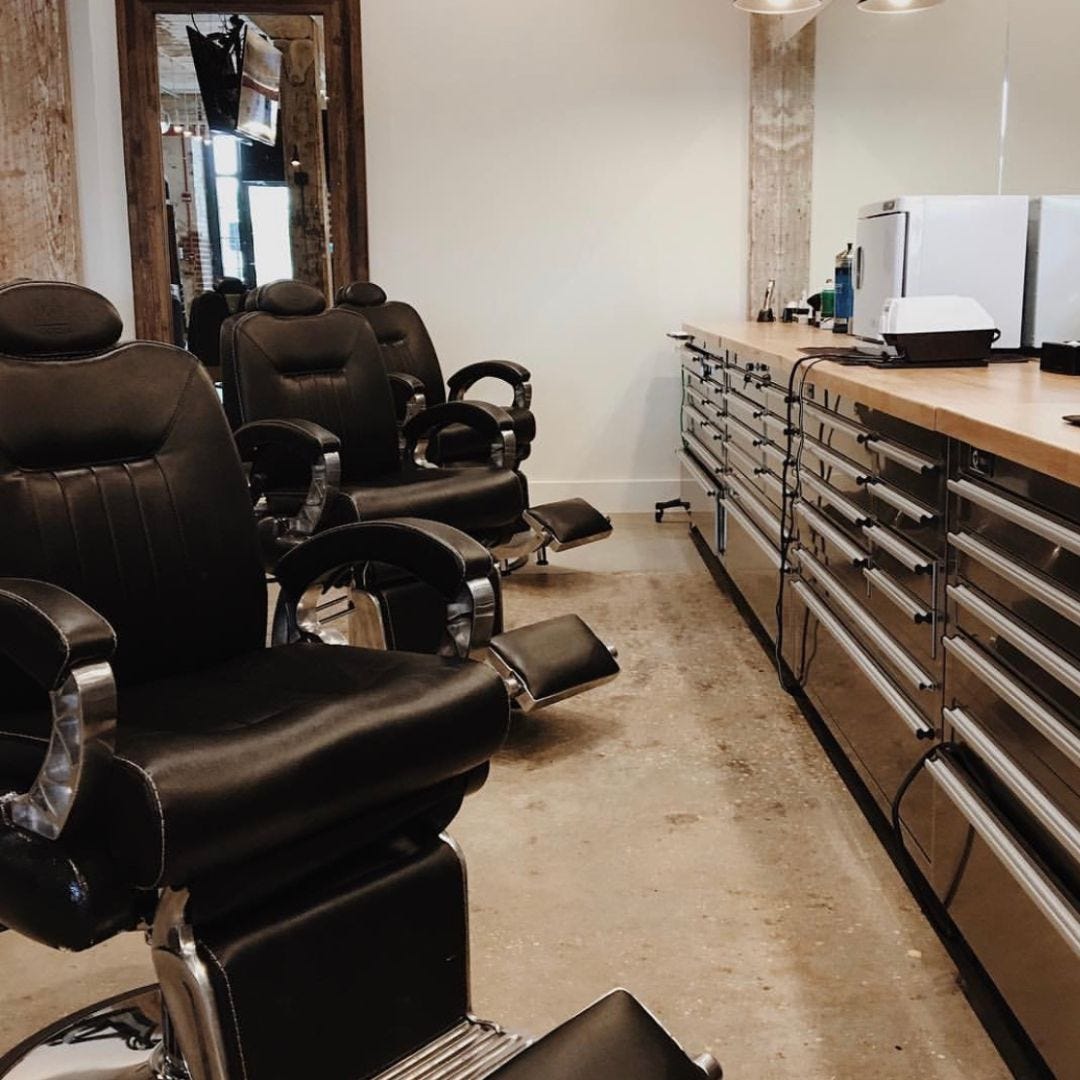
(361,294)
(54,319)
(286,298)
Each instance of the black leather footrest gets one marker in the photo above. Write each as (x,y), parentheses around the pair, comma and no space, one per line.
(552,660)
(569,523)
(616,1039)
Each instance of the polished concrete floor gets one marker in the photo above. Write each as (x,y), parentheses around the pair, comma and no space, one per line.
(678,832)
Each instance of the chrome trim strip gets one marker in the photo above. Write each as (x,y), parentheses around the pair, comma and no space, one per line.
(695,470)
(1057,824)
(733,510)
(901,551)
(917,511)
(868,625)
(865,663)
(1044,719)
(1035,585)
(1042,526)
(826,491)
(1048,658)
(80,748)
(1059,912)
(821,525)
(896,592)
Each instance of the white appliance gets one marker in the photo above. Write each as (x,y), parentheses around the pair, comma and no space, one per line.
(935,245)
(1052,302)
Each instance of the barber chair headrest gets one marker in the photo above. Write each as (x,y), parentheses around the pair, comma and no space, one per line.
(286,298)
(55,320)
(361,294)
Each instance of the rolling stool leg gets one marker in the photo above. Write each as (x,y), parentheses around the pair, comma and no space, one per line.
(671,504)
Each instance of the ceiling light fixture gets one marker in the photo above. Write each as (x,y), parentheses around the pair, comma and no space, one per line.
(777,7)
(896,7)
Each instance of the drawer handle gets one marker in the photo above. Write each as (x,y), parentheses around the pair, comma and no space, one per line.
(1017,781)
(1038,715)
(903,553)
(1032,647)
(705,457)
(748,464)
(691,466)
(1033,584)
(1042,891)
(837,501)
(868,625)
(841,464)
(752,531)
(1042,526)
(898,595)
(917,463)
(836,422)
(909,507)
(819,524)
(752,507)
(881,682)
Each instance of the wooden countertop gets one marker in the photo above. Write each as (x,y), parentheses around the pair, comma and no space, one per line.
(1013,410)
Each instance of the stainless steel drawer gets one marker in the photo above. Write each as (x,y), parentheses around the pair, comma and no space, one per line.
(752,561)
(761,512)
(702,491)
(743,409)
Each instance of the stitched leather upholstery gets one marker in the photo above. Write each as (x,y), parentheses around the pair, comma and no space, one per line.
(326,368)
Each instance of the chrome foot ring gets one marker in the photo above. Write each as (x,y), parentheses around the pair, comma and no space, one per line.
(118,1039)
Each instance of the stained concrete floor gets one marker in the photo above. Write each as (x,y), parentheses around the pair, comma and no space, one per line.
(678,832)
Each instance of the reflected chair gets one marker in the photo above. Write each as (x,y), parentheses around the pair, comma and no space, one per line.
(271,818)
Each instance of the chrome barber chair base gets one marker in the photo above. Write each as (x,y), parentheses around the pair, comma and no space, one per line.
(472,1050)
(117,1039)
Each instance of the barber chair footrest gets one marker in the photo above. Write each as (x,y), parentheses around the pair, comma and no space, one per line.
(551,660)
(568,523)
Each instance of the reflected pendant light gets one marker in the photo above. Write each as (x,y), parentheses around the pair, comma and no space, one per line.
(896,7)
(777,7)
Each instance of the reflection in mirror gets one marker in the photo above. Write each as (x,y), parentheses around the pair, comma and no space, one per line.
(243,122)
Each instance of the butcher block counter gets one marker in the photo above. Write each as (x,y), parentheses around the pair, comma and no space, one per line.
(1010,409)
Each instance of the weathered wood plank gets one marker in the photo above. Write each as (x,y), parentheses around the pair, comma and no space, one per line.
(38,194)
(781,158)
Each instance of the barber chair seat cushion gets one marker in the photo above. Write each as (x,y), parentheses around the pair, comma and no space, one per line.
(473,499)
(217,766)
(458,442)
(615,1039)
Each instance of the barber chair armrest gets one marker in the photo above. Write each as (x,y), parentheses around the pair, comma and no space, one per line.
(507,370)
(295,467)
(409,397)
(64,646)
(461,570)
(491,421)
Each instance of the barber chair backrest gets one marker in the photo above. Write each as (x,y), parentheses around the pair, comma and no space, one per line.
(403,338)
(120,482)
(209,310)
(289,357)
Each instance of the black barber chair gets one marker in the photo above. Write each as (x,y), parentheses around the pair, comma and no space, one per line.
(209,310)
(407,351)
(287,357)
(271,817)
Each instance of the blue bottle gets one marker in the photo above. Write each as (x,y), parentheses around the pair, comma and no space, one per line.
(845,293)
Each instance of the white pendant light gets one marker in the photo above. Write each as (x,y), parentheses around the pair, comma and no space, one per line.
(896,7)
(777,7)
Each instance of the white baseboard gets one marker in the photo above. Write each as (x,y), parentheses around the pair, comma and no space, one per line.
(608,496)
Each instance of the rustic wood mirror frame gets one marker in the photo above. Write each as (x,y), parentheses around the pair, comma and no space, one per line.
(140,102)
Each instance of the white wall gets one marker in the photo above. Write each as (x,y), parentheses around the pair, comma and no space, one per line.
(559,182)
(99,153)
(905,105)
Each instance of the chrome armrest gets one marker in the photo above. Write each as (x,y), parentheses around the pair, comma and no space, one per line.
(294,467)
(458,568)
(65,647)
(491,421)
(508,371)
(409,396)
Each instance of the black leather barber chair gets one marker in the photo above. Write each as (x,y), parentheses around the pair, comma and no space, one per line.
(271,818)
(209,310)
(407,350)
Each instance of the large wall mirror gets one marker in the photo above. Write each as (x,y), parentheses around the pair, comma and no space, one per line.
(970,97)
(244,152)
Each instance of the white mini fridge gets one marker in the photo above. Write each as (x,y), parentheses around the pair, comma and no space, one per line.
(938,245)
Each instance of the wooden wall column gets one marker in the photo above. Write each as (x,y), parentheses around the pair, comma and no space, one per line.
(39,216)
(781,158)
